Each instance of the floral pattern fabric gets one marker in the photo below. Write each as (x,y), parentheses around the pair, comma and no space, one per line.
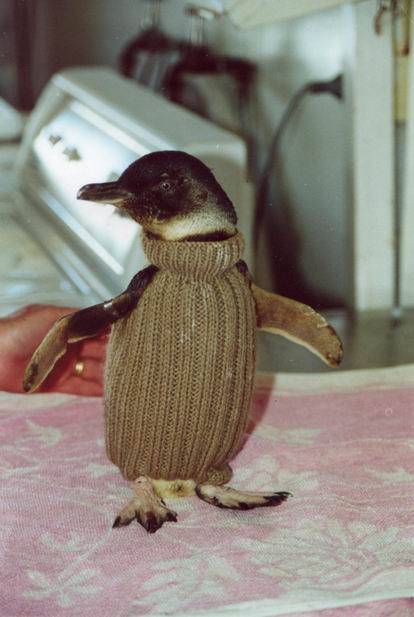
(341,546)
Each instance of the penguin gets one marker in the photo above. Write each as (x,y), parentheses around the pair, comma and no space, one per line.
(180,364)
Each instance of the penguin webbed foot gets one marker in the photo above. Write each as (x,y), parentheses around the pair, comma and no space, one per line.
(230,498)
(146,508)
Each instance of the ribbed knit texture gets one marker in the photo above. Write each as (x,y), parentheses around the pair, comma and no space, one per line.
(180,367)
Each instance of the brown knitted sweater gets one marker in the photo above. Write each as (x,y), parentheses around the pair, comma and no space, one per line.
(180,367)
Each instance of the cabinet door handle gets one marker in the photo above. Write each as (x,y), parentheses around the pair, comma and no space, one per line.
(54,139)
(72,154)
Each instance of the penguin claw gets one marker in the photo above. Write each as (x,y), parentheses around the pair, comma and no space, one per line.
(153,520)
(125,517)
(121,522)
(146,508)
(150,522)
(230,498)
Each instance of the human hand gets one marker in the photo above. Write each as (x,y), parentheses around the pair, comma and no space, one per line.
(20,335)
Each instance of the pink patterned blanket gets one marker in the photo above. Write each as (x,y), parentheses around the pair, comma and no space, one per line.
(343,444)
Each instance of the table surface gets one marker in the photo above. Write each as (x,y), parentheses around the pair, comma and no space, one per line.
(341,546)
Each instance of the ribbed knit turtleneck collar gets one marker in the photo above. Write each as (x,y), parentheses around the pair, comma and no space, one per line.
(194,259)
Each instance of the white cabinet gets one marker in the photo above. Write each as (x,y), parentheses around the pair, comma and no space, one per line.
(371,175)
(247,14)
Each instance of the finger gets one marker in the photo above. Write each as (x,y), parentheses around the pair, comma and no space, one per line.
(89,383)
(65,379)
(94,348)
(79,386)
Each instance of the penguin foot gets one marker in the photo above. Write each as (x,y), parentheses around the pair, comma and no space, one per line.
(146,507)
(227,497)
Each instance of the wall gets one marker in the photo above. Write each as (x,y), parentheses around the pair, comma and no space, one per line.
(310,210)
(8,61)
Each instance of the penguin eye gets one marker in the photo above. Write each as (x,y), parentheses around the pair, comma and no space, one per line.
(165,185)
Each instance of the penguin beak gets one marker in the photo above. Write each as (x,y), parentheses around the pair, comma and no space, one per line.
(105,193)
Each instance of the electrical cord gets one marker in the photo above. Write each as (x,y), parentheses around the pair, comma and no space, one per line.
(333,87)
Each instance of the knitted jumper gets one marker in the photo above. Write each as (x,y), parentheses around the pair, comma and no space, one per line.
(180,367)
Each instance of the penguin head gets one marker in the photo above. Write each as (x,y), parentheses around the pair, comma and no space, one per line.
(172,194)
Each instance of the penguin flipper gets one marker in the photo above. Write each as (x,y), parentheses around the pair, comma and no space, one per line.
(228,497)
(80,325)
(298,323)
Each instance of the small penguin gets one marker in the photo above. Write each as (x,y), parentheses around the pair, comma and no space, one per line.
(181,356)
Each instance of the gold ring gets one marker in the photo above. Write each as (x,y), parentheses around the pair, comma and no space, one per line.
(79,368)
